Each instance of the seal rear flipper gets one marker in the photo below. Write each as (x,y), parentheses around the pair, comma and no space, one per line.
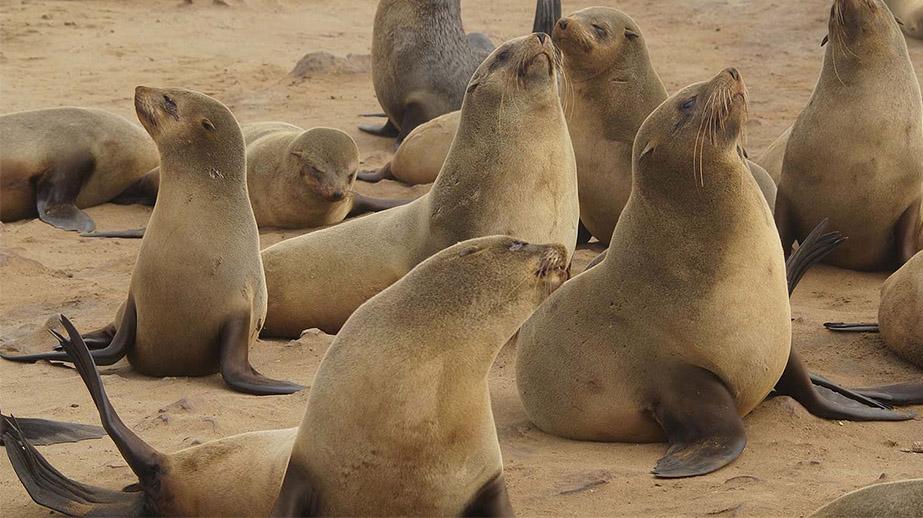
(134,233)
(43,432)
(700,419)
(896,394)
(48,487)
(297,497)
(363,204)
(812,249)
(491,500)
(382,173)
(57,190)
(843,327)
(235,363)
(547,13)
(389,130)
(830,403)
(598,259)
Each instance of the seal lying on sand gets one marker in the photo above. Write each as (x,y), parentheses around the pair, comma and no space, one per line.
(422,60)
(57,161)
(193,308)
(497,179)
(855,154)
(652,344)
(374,440)
(901,499)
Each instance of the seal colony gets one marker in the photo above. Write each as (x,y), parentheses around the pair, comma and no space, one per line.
(450,448)
(486,187)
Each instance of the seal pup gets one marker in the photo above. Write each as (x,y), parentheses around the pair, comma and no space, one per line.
(422,60)
(497,179)
(421,154)
(192,308)
(450,450)
(590,366)
(909,14)
(900,499)
(855,154)
(56,161)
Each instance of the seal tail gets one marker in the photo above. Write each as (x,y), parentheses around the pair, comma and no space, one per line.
(547,13)
(48,487)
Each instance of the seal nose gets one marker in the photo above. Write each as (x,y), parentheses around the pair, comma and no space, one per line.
(562,23)
(541,37)
(734,73)
(337,195)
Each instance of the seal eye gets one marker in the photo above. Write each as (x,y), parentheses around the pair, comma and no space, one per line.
(517,245)
(468,251)
(503,55)
(688,104)
(599,30)
(207,124)
(169,104)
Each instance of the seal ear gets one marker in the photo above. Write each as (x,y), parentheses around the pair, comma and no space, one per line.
(648,149)
(472,86)
(630,34)
(825,40)
(207,124)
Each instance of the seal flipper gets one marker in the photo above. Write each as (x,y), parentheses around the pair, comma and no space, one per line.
(43,432)
(896,394)
(547,13)
(598,259)
(143,191)
(134,233)
(700,419)
(389,130)
(57,190)
(782,217)
(812,249)
(843,327)
(908,233)
(48,487)
(363,204)
(112,352)
(491,500)
(583,234)
(414,115)
(382,173)
(235,363)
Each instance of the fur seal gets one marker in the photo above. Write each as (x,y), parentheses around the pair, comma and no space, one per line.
(422,60)
(420,156)
(909,14)
(590,364)
(497,179)
(901,499)
(57,161)
(439,459)
(193,308)
(855,154)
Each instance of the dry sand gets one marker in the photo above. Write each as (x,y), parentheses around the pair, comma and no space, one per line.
(93,53)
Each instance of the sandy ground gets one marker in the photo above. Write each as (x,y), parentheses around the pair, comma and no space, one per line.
(93,53)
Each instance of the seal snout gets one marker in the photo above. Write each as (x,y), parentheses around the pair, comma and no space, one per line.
(144,106)
(553,264)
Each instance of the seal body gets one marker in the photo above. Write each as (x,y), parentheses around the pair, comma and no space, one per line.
(900,315)
(855,154)
(910,13)
(618,352)
(901,499)
(420,156)
(497,179)
(59,160)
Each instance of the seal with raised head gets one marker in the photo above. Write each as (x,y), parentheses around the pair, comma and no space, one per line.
(441,458)
(855,154)
(497,179)
(197,297)
(422,59)
(653,344)
(900,499)
(909,14)
(56,161)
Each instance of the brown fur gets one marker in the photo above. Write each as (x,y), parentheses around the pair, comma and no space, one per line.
(694,263)
(497,179)
(910,13)
(901,499)
(900,315)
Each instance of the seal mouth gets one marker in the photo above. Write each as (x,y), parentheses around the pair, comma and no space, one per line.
(543,53)
(553,268)
(143,107)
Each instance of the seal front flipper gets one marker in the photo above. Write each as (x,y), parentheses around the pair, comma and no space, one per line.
(491,500)
(235,363)
(844,327)
(414,115)
(51,489)
(909,232)
(43,432)
(388,130)
(783,219)
(382,173)
(583,234)
(297,497)
(547,13)
(57,190)
(700,419)
(135,233)
(363,204)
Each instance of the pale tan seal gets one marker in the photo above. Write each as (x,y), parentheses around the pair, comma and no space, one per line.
(497,179)
(652,344)
(909,14)
(422,60)
(901,499)
(855,154)
(56,161)
(418,441)
(420,156)
(197,297)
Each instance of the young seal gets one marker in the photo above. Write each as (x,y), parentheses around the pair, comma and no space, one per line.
(497,179)
(901,499)
(592,366)
(422,60)
(383,453)
(57,161)
(855,154)
(193,308)
(909,14)
(420,156)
